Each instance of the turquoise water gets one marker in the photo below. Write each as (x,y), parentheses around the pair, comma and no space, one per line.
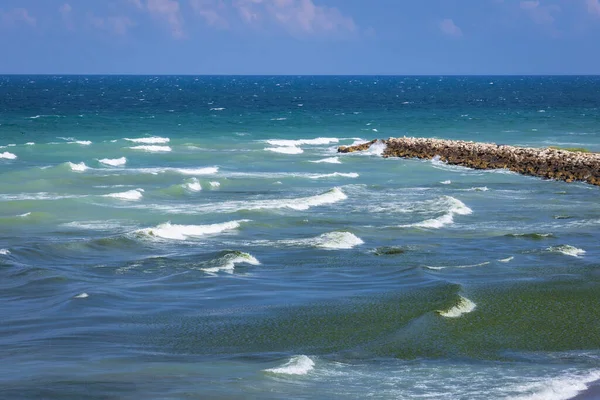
(200,237)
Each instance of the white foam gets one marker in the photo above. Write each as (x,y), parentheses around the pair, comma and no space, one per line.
(376,149)
(77,167)
(329,160)
(193,185)
(453,207)
(300,142)
(8,156)
(214,184)
(4,252)
(81,142)
(12,145)
(217,109)
(285,150)
(27,214)
(150,140)
(478,189)
(505,260)
(29,143)
(335,175)
(81,296)
(152,148)
(278,119)
(332,196)
(557,388)
(567,250)
(130,195)
(114,162)
(229,262)
(297,365)
(446,182)
(196,171)
(464,306)
(330,241)
(182,232)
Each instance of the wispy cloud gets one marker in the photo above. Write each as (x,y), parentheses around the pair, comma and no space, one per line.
(593,7)
(213,12)
(539,13)
(65,12)
(16,16)
(117,25)
(166,11)
(449,28)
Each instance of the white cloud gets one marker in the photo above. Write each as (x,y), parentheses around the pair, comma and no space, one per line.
(117,25)
(169,12)
(449,28)
(538,13)
(16,16)
(212,11)
(593,7)
(298,17)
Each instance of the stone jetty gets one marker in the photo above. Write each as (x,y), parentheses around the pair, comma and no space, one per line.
(546,163)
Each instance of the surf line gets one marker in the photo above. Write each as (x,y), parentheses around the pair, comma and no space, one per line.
(548,163)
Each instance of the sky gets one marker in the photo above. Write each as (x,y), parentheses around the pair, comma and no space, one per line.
(300,37)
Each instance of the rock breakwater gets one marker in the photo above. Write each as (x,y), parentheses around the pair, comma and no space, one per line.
(546,163)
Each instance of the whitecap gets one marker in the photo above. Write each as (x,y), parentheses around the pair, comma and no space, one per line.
(29,143)
(217,109)
(8,156)
(329,160)
(27,214)
(505,260)
(152,148)
(297,365)
(567,250)
(81,142)
(196,171)
(300,142)
(182,232)
(446,182)
(285,150)
(4,252)
(115,162)
(81,296)
(229,262)
(77,167)
(464,306)
(453,207)
(278,119)
(131,195)
(329,241)
(193,185)
(335,175)
(558,388)
(150,140)
(214,184)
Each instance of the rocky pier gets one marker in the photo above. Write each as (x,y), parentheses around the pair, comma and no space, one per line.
(546,163)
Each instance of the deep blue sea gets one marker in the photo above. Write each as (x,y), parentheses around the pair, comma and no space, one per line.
(180,237)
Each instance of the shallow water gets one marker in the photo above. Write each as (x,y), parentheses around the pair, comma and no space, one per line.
(183,237)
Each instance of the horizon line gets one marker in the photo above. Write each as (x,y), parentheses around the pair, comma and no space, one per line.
(298,75)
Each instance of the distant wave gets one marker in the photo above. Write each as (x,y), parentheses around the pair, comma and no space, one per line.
(534,236)
(335,175)
(114,162)
(8,156)
(567,250)
(193,185)
(463,306)
(300,142)
(150,140)
(214,184)
(81,142)
(29,143)
(330,241)
(453,207)
(285,150)
(183,232)
(4,252)
(229,261)
(77,167)
(297,365)
(152,148)
(81,296)
(132,195)
(330,160)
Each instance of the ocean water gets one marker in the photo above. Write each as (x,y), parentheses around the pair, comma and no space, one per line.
(200,237)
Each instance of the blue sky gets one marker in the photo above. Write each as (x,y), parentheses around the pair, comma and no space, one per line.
(300,36)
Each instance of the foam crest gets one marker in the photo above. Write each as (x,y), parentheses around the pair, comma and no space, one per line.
(446,182)
(450,206)
(197,171)
(29,143)
(81,142)
(8,156)
(558,388)
(150,140)
(567,250)
(152,148)
(130,195)
(77,167)
(228,262)
(331,196)
(329,241)
(81,296)
(4,252)
(300,142)
(182,232)
(335,175)
(214,184)
(297,365)
(329,160)
(193,185)
(114,162)
(506,260)
(464,306)
(285,150)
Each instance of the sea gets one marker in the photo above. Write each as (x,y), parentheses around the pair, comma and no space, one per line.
(200,237)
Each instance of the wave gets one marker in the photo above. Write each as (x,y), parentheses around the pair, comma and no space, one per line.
(4,252)
(77,167)
(81,142)
(567,250)
(335,174)
(446,182)
(464,306)
(505,260)
(329,160)
(81,296)
(193,185)
(114,162)
(195,171)
(376,149)
(460,266)
(8,156)
(214,184)
(453,207)
(300,142)
(534,236)
(558,388)
(278,119)
(182,232)
(329,241)
(217,109)
(285,150)
(229,261)
(131,195)
(297,365)
(29,143)
(150,140)
(152,148)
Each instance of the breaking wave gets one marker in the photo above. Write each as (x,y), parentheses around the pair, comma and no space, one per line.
(114,162)
(464,306)
(183,232)
(297,365)
(150,140)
